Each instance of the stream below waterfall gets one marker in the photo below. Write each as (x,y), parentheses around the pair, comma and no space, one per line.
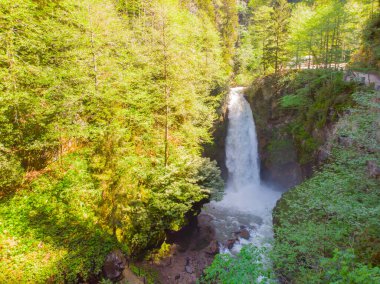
(247,204)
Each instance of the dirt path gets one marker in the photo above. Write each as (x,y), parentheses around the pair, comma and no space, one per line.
(365,78)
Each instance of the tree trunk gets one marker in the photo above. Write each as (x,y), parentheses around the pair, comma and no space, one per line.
(276,56)
(167,93)
(327,49)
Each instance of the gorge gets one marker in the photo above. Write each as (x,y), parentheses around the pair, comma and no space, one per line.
(247,203)
(129,154)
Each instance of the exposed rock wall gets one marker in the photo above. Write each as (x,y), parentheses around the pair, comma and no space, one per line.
(284,160)
(278,153)
(216,151)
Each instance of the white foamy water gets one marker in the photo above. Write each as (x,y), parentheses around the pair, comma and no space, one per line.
(247,203)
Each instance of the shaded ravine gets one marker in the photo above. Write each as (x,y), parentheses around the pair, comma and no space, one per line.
(245,214)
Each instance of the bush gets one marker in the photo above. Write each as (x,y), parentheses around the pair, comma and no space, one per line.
(344,267)
(249,266)
(53,228)
(11,172)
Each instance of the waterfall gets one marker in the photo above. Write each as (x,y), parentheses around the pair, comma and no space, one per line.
(241,145)
(247,202)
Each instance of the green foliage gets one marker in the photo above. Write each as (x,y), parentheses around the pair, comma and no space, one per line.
(53,228)
(105,281)
(305,34)
(105,106)
(318,98)
(209,178)
(227,20)
(150,274)
(293,101)
(248,266)
(162,252)
(337,209)
(11,172)
(274,48)
(368,57)
(344,268)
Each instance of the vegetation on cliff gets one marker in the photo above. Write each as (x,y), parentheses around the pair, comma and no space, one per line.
(326,229)
(317,98)
(294,112)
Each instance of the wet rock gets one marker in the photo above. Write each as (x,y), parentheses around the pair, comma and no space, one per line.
(245,234)
(204,219)
(373,169)
(114,265)
(205,232)
(213,248)
(230,243)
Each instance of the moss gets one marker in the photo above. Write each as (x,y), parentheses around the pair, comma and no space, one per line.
(280,151)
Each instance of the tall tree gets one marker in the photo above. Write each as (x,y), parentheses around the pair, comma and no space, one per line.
(275,54)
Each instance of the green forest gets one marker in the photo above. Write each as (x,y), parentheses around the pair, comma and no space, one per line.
(110,117)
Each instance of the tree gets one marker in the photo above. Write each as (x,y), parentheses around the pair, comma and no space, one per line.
(227,23)
(275,54)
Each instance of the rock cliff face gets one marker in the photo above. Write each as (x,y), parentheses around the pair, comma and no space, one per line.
(216,151)
(284,161)
(292,140)
(278,153)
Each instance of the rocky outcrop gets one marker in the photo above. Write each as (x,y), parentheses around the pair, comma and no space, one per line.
(114,265)
(244,233)
(216,150)
(278,153)
(213,248)
(193,248)
(230,243)
(292,142)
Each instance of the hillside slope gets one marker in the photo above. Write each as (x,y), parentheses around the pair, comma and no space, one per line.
(327,228)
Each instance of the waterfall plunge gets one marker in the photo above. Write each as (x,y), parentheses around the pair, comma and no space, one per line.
(247,203)
(244,191)
(241,145)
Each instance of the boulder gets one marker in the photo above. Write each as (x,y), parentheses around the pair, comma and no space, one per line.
(323,155)
(114,265)
(230,243)
(189,269)
(244,233)
(213,248)
(373,169)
